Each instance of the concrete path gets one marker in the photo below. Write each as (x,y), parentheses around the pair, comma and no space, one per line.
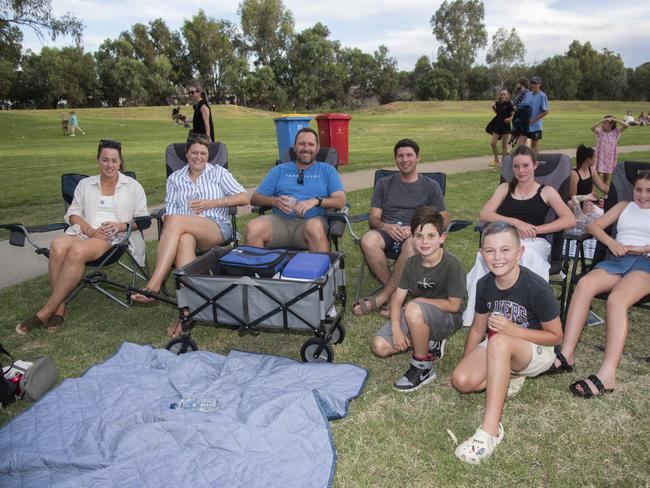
(20,264)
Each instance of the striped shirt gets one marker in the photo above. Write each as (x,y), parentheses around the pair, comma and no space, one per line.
(215,182)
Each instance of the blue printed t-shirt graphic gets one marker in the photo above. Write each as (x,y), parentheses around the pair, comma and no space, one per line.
(320,180)
(513,311)
(538,103)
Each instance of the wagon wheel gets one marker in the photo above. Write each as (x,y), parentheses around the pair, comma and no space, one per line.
(181,345)
(314,350)
(338,334)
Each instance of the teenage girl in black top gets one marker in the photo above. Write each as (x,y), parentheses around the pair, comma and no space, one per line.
(523,203)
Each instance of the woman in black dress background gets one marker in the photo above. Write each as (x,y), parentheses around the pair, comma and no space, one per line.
(202,121)
(499,126)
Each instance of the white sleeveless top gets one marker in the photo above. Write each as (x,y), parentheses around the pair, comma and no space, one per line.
(633,227)
(106,211)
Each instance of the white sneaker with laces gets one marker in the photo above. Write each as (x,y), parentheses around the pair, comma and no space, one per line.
(479,447)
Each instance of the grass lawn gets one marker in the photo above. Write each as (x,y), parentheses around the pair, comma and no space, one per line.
(391,438)
(33,153)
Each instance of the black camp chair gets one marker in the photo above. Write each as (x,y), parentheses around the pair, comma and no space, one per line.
(620,189)
(553,169)
(452,226)
(96,276)
(335,218)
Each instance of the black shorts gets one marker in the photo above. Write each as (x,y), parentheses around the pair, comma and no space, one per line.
(392,248)
(534,136)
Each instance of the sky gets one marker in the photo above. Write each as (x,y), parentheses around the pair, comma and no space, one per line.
(546,27)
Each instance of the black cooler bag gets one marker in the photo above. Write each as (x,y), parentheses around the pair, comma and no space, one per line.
(251,261)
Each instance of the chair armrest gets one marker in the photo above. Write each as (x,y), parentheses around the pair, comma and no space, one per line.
(18,233)
(456,225)
(143,222)
(575,234)
(260,210)
(158,213)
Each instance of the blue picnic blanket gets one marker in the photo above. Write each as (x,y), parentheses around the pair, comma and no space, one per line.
(113,426)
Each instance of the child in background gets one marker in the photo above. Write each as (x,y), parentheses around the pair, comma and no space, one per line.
(64,123)
(518,311)
(74,124)
(607,135)
(435,279)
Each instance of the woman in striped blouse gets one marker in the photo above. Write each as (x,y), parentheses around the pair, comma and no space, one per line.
(197,201)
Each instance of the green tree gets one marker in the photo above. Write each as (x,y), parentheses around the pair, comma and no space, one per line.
(215,51)
(506,51)
(422,78)
(56,74)
(122,77)
(386,75)
(479,83)
(458,27)
(317,79)
(561,76)
(10,52)
(639,82)
(361,70)
(267,27)
(37,15)
(603,73)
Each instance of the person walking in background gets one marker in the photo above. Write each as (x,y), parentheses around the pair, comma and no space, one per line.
(607,135)
(74,124)
(64,123)
(202,120)
(538,102)
(499,126)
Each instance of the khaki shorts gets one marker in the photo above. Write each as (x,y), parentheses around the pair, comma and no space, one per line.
(541,360)
(289,232)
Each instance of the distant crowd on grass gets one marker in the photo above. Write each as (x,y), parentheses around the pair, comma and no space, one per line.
(520,119)
(514,317)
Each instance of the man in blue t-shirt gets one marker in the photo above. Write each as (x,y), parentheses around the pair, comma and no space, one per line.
(538,102)
(299,192)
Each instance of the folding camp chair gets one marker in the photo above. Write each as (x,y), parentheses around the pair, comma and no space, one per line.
(621,189)
(335,218)
(96,276)
(553,169)
(453,226)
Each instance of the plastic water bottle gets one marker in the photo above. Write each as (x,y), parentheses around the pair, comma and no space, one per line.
(200,405)
(397,244)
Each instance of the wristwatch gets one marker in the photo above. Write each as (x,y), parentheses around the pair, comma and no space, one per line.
(320,201)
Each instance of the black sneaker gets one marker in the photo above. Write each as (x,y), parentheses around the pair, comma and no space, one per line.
(437,348)
(419,374)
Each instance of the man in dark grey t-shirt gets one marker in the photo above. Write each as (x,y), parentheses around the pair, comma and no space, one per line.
(394,201)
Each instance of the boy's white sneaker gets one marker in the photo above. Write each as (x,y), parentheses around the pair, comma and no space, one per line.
(478,447)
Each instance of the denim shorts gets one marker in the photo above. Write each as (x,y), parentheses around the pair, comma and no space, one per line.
(622,265)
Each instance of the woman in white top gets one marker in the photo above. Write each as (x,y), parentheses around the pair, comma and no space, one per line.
(625,275)
(99,213)
(197,201)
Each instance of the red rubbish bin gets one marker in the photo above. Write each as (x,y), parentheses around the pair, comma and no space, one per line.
(333,132)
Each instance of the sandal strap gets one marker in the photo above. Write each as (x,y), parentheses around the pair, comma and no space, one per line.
(563,362)
(597,383)
(586,390)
